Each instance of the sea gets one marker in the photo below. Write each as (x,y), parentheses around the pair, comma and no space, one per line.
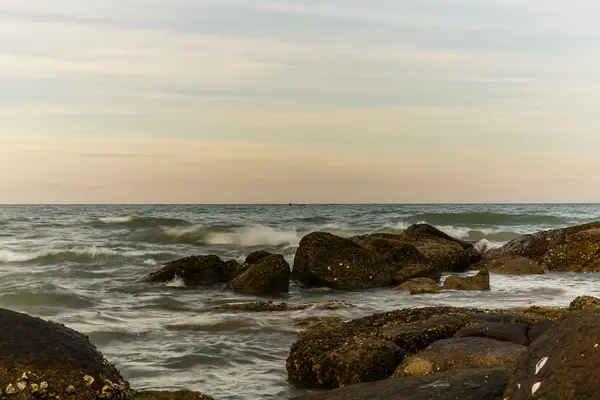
(83,265)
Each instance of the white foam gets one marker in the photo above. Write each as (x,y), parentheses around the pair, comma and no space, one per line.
(257,235)
(7,256)
(176,282)
(484,245)
(151,261)
(116,220)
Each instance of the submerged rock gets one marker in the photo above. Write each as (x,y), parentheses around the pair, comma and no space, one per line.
(481,281)
(562,364)
(460,353)
(269,274)
(40,359)
(194,270)
(486,383)
(179,395)
(512,265)
(261,306)
(420,286)
(573,249)
(584,303)
(323,259)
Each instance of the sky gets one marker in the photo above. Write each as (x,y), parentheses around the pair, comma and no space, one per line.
(310,101)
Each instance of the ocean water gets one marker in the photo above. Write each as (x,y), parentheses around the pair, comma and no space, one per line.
(82,265)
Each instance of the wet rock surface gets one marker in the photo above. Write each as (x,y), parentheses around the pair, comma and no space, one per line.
(562,363)
(460,353)
(178,395)
(194,270)
(481,281)
(471,384)
(574,249)
(268,274)
(41,359)
(501,331)
(512,265)
(420,286)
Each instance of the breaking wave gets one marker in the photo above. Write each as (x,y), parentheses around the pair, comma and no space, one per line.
(139,222)
(81,254)
(487,218)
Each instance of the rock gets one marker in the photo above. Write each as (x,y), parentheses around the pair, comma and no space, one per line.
(573,249)
(328,358)
(270,275)
(256,257)
(512,265)
(460,353)
(180,395)
(537,313)
(562,363)
(481,281)
(408,261)
(539,329)
(419,286)
(486,383)
(233,269)
(501,331)
(323,259)
(194,270)
(446,253)
(584,303)
(53,360)
(261,306)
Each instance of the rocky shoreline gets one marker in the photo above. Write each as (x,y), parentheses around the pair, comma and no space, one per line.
(415,353)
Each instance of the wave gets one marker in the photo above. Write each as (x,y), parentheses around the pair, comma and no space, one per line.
(139,222)
(251,236)
(30,298)
(81,254)
(487,218)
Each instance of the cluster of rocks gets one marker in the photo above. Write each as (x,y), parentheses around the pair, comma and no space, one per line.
(46,360)
(446,353)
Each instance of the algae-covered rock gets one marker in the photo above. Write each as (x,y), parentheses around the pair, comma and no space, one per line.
(261,306)
(512,265)
(481,281)
(41,359)
(194,270)
(501,331)
(269,274)
(584,303)
(323,259)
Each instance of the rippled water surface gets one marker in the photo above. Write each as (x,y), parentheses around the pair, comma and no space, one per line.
(82,265)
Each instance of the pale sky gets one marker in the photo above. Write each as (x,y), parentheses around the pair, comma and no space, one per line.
(266,101)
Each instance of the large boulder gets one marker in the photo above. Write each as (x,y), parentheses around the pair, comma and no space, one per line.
(268,274)
(562,364)
(481,281)
(420,286)
(329,358)
(409,263)
(501,331)
(323,259)
(43,360)
(487,383)
(194,270)
(460,353)
(572,249)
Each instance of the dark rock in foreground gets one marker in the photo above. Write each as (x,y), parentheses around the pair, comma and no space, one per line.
(420,286)
(343,355)
(181,395)
(501,331)
(471,384)
(562,364)
(584,303)
(460,353)
(323,259)
(268,274)
(194,270)
(41,359)
(573,249)
(481,281)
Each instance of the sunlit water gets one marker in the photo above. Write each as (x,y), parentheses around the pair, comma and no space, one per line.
(82,265)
